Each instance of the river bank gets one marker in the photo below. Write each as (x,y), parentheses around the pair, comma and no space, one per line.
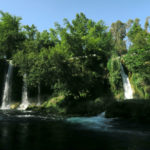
(133,110)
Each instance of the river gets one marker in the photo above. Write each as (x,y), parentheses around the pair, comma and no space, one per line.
(27,130)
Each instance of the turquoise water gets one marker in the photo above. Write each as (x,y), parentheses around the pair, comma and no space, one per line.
(25,130)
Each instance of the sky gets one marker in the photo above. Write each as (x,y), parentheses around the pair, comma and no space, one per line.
(44,13)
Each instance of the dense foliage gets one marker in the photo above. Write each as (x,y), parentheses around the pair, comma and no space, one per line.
(137,60)
(80,59)
(70,59)
(115,78)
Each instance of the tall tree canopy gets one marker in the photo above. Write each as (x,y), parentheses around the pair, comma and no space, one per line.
(118,30)
(72,58)
(11,36)
(139,37)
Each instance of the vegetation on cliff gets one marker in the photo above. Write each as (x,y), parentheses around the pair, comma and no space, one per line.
(79,61)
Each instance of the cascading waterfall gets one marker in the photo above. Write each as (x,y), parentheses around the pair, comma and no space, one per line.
(25,102)
(7,88)
(128,93)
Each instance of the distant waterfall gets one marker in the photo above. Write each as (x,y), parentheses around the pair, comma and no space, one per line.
(39,95)
(7,88)
(128,93)
(25,102)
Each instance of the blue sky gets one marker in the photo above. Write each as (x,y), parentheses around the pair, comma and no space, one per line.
(43,13)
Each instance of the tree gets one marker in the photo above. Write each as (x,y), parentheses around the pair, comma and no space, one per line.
(11,37)
(118,30)
(138,36)
(81,56)
(72,59)
(147,24)
(30,32)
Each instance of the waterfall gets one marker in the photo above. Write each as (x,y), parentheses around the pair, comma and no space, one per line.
(7,88)
(39,95)
(128,93)
(25,102)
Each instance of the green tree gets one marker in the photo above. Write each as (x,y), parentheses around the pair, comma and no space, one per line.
(30,32)
(118,30)
(11,37)
(147,25)
(86,47)
(138,36)
(72,59)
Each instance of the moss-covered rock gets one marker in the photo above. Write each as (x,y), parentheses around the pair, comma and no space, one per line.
(52,105)
(69,106)
(53,102)
(14,105)
(115,78)
(141,86)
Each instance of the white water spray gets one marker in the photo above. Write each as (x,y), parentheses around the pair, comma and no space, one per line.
(96,122)
(128,93)
(7,88)
(25,102)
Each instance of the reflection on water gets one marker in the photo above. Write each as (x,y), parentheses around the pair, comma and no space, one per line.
(32,131)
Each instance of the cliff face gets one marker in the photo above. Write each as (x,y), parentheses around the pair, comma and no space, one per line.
(141,86)
(137,67)
(137,63)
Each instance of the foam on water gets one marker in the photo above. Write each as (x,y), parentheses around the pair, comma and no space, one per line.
(96,122)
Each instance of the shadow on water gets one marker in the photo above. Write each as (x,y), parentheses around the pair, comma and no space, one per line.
(21,130)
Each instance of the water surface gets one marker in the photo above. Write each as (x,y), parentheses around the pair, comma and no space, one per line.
(25,130)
